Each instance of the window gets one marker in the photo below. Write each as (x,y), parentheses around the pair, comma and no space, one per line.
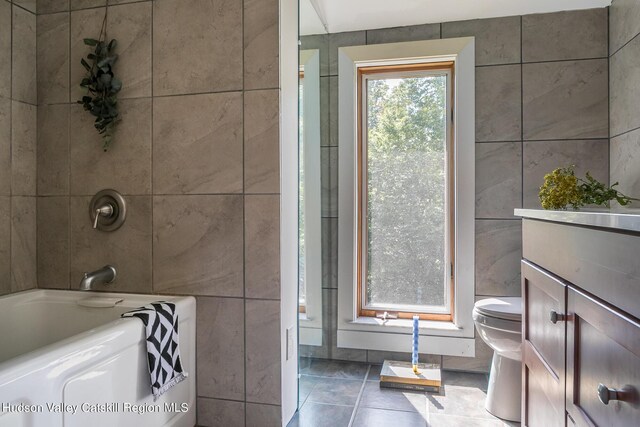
(302,286)
(405,201)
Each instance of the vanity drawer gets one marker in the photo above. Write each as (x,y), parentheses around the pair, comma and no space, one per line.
(543,352)
(603,350)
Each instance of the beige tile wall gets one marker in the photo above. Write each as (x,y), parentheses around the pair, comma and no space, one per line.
(541,102)
(18,123)
(196,157)
(624,89)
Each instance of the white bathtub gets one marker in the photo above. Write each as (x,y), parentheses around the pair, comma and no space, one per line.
(54,351)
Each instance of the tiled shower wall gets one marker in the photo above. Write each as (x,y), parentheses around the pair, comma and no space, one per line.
(541,103)
(18,112)
(196,157)
(624,86)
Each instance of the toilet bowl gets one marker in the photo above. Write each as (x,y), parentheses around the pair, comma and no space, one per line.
(499,323)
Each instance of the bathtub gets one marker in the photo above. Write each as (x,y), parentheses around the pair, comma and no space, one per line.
(63,364)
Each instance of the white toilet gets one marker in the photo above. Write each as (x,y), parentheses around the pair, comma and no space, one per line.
(499,323)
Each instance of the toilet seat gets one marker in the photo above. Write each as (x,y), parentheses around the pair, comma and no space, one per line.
(505,308)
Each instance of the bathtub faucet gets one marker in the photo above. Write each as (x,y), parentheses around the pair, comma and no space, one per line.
(104,276)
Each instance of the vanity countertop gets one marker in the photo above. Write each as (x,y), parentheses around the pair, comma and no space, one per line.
(618,219)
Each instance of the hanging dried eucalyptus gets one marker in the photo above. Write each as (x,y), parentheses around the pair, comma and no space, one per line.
(101,85)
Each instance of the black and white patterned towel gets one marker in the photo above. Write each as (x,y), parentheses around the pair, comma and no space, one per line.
(161,323)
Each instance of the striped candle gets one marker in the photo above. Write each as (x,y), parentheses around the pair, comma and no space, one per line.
(414,354)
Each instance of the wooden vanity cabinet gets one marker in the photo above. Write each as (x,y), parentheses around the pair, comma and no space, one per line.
(580,350)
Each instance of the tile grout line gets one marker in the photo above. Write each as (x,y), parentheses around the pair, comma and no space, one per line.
(357,404)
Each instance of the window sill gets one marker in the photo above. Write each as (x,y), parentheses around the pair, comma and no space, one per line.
(423,325)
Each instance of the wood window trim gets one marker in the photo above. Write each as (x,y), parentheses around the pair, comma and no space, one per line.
(361,221)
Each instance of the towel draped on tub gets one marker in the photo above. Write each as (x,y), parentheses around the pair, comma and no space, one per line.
(161,326)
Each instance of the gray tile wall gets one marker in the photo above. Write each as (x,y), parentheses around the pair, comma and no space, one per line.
(624,89)
(541,102)
(196,157)
(18,118)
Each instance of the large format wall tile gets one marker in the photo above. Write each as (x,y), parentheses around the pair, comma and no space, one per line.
(53,58)
(321,43)
(625,88)
(220,351)
(30,5)
(262,246)
(197,46)
(262,336)
(498,179)
(128,249)
(5,245)
(23,244)
(5,146)
(498,254)
(329,181)
(197,144)
(130,25)
(215,412)
(338,40)
(261,44)
(5,49)
(126,166)
(564,100)
(197,245)
(480,363)
(498,103)
(497,39)
(329,252)
(578,34)
(329,348)
(83,4)
(52,6)
(53,242)
(624,23)
(324,110)
(53,150)
(259,415)
(625,162)
(334,134)
(261,142)
(404,34)
(542,157)
(23,148)
(23,58)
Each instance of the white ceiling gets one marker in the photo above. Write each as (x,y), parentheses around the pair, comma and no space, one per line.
(336,16)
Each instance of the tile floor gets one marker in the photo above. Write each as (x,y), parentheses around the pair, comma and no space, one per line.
(348,394)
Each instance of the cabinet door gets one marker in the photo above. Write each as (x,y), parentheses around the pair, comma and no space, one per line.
(543,348)
(603,357)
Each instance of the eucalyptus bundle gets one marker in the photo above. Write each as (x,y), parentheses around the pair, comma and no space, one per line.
(101,84)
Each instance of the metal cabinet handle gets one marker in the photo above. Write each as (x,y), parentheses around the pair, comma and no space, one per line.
(556,317)
(606,394)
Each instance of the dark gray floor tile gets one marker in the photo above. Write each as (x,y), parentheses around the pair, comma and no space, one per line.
(462,393)
(321,415)
(398,400)
(306,384)
(370,417)
(335,391)
(374,373)
(456,421)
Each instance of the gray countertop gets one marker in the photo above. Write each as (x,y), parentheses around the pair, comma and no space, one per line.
(619,219)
